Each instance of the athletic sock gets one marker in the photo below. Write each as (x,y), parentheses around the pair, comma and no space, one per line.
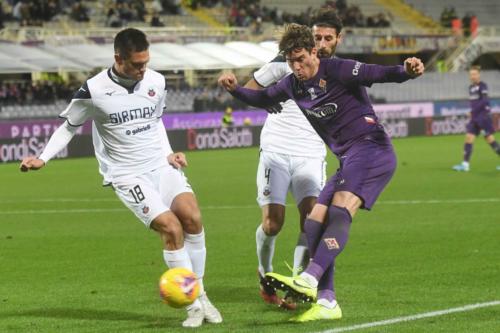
(313,230)
(195,247)
(333,241)
(467,152)
(265,250)
(177,258)
(495,146)
(300,254)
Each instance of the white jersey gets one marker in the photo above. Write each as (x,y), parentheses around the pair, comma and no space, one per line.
(288,132)
(127,131)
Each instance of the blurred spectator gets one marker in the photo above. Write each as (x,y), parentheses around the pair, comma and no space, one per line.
(156,20)
(79,12)
(1,16)
(112,19)
(172,7)
(227,118)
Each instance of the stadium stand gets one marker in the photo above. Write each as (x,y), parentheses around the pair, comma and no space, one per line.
(487,11)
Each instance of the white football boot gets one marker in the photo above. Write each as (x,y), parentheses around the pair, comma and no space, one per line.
(195,315)
(212,315)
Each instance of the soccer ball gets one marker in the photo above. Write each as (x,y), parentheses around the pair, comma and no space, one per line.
(179,287)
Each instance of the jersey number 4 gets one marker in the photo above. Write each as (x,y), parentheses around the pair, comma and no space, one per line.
(137,193)
(267,174)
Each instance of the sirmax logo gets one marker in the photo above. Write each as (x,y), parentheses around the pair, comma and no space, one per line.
(322,111)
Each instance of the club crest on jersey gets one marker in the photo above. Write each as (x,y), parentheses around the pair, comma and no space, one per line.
(312,93)
(151,92)
(331,244)
(145,209)
(266,192)
(322,84)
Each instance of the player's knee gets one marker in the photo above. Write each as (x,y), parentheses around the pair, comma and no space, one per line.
(169,228)
(272,225)
(192,222)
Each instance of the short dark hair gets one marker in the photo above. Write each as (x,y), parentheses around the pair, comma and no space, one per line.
(328,18)
(296,36)
(130,40)
(475,68)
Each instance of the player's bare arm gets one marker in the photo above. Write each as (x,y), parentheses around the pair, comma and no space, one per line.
(31,163)
(414,67)
(177,160)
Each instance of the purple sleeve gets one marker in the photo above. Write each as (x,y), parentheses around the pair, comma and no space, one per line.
(262,98)
(355,72)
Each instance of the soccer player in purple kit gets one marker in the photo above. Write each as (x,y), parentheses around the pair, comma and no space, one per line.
(331,94)
(480,118)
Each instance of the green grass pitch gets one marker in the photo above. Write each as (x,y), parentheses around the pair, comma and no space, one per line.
(73,259)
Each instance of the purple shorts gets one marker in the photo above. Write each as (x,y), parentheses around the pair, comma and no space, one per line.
(475,125)
(365,169)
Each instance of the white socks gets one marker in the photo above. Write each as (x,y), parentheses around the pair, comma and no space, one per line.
(195,247)
(326,303)
(301,251)
(265,250)
(177,258)
(311,280)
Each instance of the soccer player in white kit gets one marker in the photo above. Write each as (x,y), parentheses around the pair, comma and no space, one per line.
(126,103)
(292,156)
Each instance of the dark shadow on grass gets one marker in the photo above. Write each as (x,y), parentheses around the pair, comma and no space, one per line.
(91,314)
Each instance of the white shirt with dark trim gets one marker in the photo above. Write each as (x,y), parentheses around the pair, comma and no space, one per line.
(127,131)
(288,132)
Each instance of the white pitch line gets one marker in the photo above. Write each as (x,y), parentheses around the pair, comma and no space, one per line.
(212,207)
(392,321)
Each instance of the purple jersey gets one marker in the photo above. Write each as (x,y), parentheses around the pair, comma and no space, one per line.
(479,101)
(334,101)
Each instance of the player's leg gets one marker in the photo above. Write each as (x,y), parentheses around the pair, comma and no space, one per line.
(301,252)
(177,193)
(273,179)
(363,175)
(487,126)
(472,131)
(308,179)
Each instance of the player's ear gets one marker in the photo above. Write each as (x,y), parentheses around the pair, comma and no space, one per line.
(118,59)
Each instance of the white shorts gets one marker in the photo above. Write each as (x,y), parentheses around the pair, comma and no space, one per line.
(150,194)
(304,176)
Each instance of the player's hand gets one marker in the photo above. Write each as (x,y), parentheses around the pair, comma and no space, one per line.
(276,108)
(228,81)
(31,163)
(177,160)
(414,67)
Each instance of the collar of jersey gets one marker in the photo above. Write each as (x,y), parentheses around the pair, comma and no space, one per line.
(112,73)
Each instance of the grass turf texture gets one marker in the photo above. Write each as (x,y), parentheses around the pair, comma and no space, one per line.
(87,265)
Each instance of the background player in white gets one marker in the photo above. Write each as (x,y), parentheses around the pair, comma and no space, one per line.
(292,157)
(126,103)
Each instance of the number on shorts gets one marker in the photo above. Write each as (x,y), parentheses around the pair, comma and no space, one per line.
(267,174)
(137,194)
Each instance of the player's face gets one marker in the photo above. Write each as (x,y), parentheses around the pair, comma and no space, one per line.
(326,40)
(134,66)
(303,63)
(474,76)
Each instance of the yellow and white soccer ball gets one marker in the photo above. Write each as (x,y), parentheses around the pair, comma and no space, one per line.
(179,287)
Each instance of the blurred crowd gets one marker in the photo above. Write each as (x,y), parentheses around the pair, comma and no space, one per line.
(117,12)
(35,92)
(49,92)
(466,25)
(250,13)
